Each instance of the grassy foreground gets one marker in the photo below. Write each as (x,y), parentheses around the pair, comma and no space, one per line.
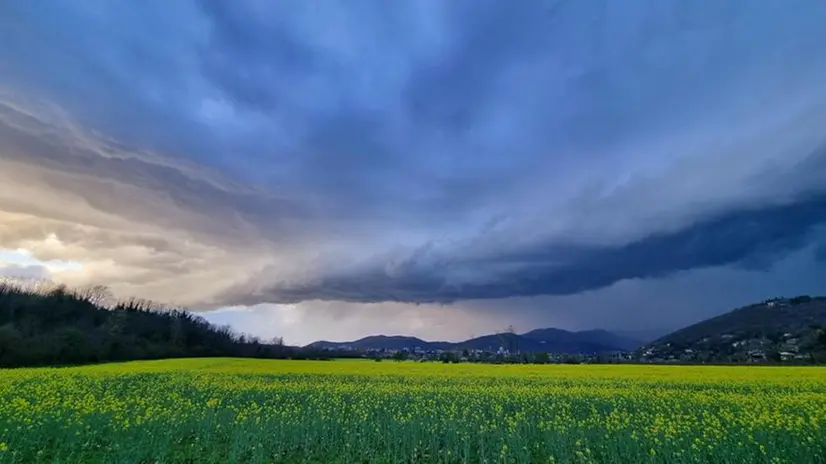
(237,410)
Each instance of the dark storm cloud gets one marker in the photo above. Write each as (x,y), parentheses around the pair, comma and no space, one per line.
(453,88)
(743,237)
(419,151)
(246,54)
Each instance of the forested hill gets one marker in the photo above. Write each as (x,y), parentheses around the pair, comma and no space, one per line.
(790,328)
(59,327)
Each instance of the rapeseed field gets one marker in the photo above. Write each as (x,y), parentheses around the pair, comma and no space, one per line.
(260,411)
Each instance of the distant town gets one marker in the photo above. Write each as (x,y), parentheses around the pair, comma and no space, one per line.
(774,331)
(500,356)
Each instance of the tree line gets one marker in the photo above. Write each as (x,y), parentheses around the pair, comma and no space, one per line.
(58,326)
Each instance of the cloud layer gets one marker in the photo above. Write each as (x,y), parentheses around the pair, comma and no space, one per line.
(219,154)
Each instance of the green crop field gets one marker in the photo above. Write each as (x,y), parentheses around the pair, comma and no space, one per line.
(256,411)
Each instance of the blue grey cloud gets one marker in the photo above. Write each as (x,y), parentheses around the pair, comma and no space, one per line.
(420,152)
(748,238)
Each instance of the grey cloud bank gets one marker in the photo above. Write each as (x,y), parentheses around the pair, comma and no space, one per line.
(237,153)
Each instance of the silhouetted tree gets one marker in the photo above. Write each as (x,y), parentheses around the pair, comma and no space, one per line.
(42,325)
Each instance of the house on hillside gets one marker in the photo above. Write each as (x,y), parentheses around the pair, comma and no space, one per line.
(777,302)
(790,347)
(756,355)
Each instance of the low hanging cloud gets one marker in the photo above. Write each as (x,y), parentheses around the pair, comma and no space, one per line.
(218,154)
(743,238)
(640,308)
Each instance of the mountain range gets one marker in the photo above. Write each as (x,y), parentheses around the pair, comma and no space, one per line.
(781,324)
(549,340)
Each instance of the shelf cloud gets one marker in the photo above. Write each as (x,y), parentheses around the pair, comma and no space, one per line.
(481,160)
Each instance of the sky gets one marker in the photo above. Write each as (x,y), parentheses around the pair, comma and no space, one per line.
(334,169)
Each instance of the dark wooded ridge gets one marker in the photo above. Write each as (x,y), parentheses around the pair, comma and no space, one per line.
(62,327)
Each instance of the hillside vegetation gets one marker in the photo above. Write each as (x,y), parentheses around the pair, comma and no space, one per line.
(778,329)
(57,327)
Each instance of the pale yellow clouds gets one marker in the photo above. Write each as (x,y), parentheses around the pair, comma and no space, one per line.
(67,195)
